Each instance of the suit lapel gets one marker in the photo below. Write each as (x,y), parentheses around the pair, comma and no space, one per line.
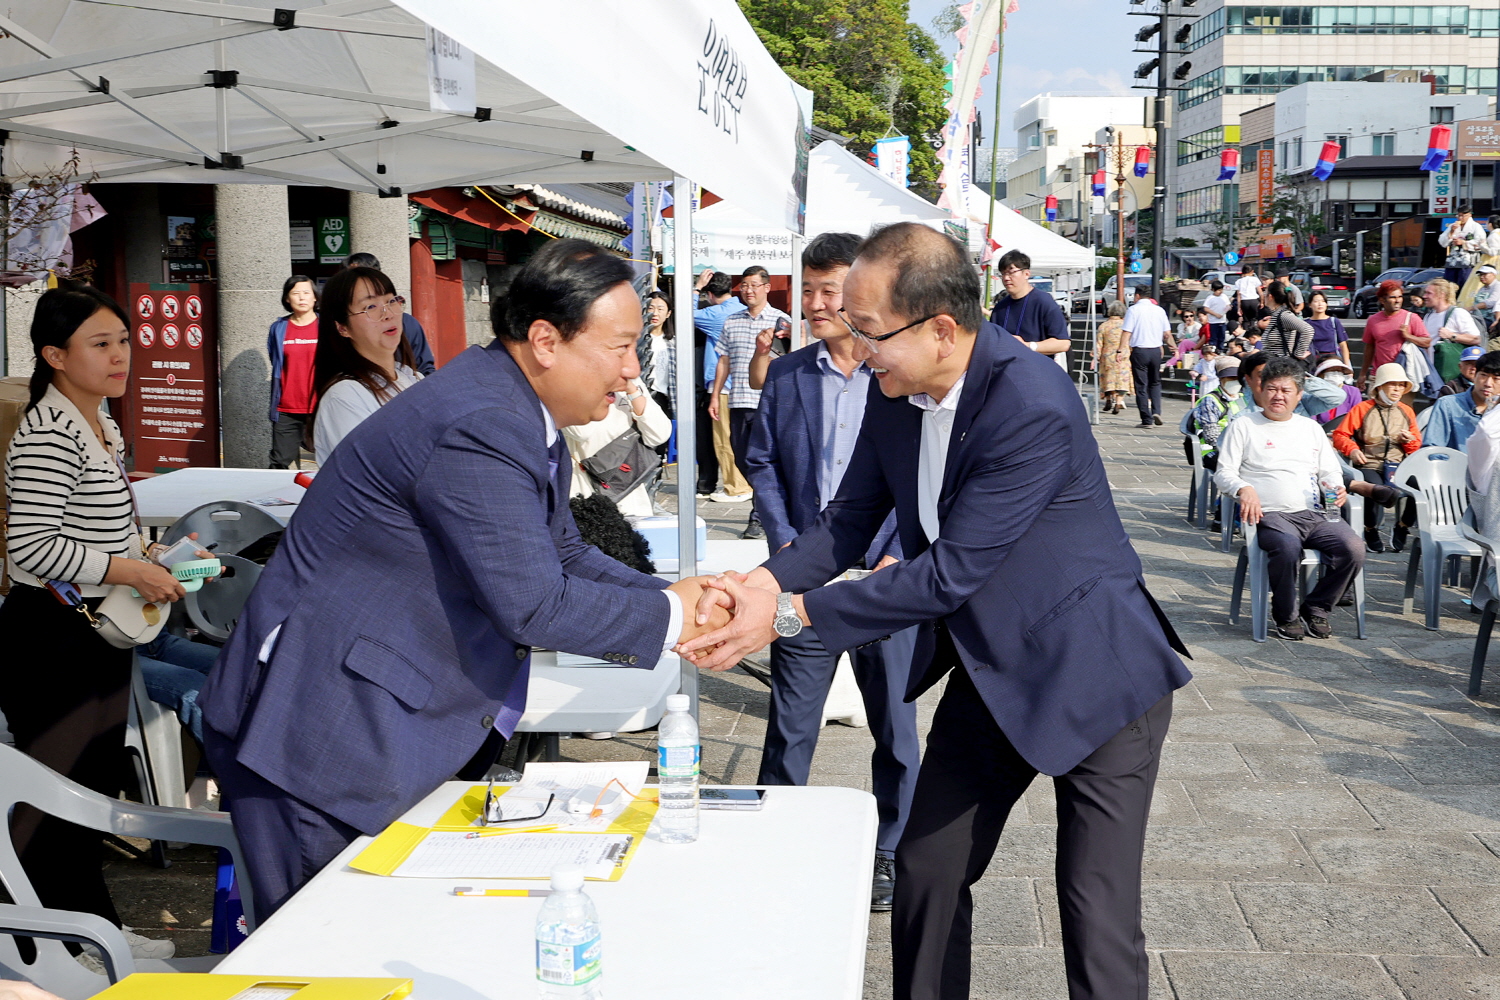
(971,402)
(810,392)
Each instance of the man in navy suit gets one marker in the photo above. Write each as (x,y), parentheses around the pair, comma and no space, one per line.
(388,641)
(1029,599)
(811,408)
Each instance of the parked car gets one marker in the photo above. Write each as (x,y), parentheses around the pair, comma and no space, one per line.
(1414,282)
(1106,295)
(1333,285)
(1045,284)
(1363,303)
(1208,278)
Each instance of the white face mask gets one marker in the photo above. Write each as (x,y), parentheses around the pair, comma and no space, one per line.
(1336,378)
(1231,387)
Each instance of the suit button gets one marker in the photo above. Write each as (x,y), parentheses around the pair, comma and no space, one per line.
(522,652)
(634,658)
(488,722)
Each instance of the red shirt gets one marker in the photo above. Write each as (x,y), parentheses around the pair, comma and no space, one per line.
(1383,334)
(298,345)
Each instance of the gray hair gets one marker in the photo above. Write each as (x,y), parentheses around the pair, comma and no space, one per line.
(1116,309)
(1280,368)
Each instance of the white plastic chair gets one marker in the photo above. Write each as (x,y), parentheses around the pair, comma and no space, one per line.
(1439,490)
(1201,487)
(1489,547)
(24,780)
(1254,564)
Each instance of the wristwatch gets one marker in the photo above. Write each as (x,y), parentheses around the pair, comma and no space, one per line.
(787,623)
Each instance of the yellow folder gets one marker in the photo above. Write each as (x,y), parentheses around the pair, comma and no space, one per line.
(202,986)
(395,843)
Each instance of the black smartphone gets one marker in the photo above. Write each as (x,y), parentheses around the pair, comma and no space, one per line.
(731,798)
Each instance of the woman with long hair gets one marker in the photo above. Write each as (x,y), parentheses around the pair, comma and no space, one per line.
(1329,335)
(658,353)
(363,357)
(72,528)
(291,344)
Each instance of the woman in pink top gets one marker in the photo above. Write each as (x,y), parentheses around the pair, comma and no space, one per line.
(1389,330)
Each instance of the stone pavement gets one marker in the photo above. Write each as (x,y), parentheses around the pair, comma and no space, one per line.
(1326,823)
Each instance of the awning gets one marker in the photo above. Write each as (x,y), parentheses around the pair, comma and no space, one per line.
(337,94)
(1013,231)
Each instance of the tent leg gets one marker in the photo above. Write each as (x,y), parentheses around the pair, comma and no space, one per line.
(684,300)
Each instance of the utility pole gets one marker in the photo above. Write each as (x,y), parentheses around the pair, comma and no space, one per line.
(994,159)
(1164,88)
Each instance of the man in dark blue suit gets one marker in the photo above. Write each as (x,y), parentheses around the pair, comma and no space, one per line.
(388,641)
(811,408)
(1030,601)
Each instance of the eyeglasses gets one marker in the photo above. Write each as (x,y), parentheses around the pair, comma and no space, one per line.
(755,284)
(380,310)
(872,340)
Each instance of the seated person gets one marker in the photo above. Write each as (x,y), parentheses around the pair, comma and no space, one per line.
(1277,463)
(1464,380)
(1337,372)
(1208,419)
(174,669)
(1375,437)
(1453,418)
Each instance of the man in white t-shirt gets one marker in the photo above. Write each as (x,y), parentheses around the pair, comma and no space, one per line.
(1278,464)
(1247,295)
(1149,330)
(1217,307)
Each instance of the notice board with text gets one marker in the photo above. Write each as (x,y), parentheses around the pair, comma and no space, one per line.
(172,408)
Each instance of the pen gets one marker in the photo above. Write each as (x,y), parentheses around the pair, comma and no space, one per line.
(464,890)
(496,833)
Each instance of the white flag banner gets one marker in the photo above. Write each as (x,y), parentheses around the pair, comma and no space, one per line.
(450,74)
(710,102)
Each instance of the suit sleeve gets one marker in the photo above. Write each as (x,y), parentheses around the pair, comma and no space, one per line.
(762,460)
(992,509)
(487,511)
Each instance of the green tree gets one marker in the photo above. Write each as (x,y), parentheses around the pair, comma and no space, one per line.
(871,71)
(1294,210)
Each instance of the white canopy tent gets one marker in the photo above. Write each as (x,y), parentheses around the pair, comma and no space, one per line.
(337,94)
(1048,251)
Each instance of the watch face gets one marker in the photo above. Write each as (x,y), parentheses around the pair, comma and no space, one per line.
(788,626)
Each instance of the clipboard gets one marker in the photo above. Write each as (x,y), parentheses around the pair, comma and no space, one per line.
(207,986)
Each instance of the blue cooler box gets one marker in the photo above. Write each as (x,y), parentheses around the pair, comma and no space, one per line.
(661,535)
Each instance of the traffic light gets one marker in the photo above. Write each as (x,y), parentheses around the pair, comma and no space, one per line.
(1182,70)
(1182,34)
(1144,69)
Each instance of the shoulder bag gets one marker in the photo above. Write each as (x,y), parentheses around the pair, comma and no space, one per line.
(622,465)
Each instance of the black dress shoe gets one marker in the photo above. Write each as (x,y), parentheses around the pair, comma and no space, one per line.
(1147,424)
(883,886)
(1156,419)
(754,530)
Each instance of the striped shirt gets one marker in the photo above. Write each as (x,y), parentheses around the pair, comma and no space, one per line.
(70,508)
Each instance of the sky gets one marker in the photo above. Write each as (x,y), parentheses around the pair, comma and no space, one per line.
(1062,46)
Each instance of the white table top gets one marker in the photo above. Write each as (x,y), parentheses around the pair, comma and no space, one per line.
(607,698)
(163,499)
(773,903)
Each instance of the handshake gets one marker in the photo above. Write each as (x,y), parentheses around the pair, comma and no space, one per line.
(728,617)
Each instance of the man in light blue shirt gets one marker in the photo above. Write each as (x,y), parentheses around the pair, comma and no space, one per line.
(1456,416)
(708,326)
(811,408)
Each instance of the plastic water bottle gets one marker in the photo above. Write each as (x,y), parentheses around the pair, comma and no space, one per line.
(678,755)
(567,941)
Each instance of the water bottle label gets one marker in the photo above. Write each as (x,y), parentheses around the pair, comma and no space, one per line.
(567,964)
(677,762)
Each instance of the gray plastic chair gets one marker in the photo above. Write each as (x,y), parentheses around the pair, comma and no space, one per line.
(214,608)
(224,527)
(1491,549)
(1440,476)
(1254,564)
(1201,489)
(24,780)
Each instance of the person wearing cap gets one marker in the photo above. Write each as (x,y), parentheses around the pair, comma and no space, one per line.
(1337,372)
(1464,380)
(1453,418)
(1485,295)
(1218,406)
(1375,437)
(1278,463)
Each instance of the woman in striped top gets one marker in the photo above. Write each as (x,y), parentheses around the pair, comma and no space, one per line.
(66,690)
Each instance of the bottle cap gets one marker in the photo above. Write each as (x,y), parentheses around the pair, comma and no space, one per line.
(678,703)
(567,879)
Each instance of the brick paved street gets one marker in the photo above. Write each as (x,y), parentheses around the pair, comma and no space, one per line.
(1326,825)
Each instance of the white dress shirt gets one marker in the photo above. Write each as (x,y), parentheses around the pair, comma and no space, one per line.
(932,462)
(1147,324)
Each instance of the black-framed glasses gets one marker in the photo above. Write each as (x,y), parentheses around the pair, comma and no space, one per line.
(872,340)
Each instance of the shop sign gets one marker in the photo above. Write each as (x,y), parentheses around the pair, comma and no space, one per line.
(1478,140)
(1265,185)
(1440,192)
(333,239)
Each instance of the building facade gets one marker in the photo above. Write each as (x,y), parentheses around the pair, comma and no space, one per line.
(1053,135)
(1242,55)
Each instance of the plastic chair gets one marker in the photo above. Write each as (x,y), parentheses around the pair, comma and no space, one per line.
(23,779)
(1201,488)
(1489,547)
(1254,564)
(1440,478)
(224,527)
(215,608)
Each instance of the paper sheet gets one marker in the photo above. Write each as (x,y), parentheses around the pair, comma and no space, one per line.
(566,780)
(443,854)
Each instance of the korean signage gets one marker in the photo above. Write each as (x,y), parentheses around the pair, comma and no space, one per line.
(1478,140)
(732,250)
(723,79)
(304,240)
(172,408)
(1265,185)
(1441,190)
(333,239)
(893,158)
(450,74)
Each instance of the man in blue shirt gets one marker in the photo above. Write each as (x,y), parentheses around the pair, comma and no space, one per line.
(810,411)
(708,325)
(1453,418)
(1034,319)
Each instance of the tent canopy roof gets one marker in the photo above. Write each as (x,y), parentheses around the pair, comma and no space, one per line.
(1013,231)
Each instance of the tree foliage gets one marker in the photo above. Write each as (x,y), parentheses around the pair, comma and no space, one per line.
(1295,210)
(870,71)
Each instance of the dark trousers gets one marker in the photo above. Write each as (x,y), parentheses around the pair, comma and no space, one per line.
(1145,368)
(1375,513)
(65,695)
(1457,275)
(708,459)
(286,438)
(971,777)
(1284,534)
(285,840)
(741,423)
(1216,335)
(801,673)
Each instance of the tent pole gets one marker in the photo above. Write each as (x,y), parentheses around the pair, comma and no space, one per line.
(994,157)
(688,378)
(795,292)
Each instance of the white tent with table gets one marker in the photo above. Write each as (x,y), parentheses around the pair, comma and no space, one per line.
(1049,252)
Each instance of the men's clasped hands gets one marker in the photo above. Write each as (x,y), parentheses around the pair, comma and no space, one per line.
(751,598)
